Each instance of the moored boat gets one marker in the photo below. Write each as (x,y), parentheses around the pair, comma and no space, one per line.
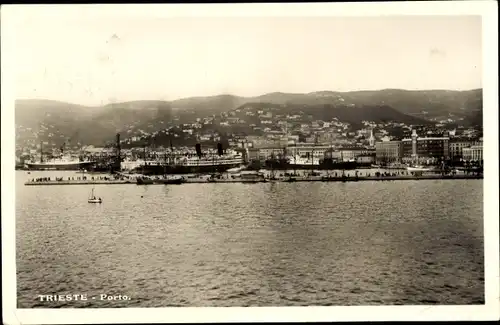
(418,168)
(187,165)
(173,180)
(144,181)
(252,177)
(63,163)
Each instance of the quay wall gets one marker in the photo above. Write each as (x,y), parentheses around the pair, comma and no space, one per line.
(281,179)
(80,182)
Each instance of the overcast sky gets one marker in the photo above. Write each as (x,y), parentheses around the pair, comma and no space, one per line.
(89,59)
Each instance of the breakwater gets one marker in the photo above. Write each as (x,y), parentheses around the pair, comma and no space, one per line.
(48,181)
(79,182)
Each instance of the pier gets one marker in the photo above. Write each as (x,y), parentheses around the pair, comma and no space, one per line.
(79,182)
(200,180)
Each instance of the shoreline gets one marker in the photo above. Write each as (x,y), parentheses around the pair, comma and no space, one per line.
(277,180)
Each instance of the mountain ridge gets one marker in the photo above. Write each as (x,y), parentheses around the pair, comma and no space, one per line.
(95,124)
(251,97)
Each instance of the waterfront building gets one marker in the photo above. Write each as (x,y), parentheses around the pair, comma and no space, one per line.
(333,154)
(473,153)
(389,151)
(425,149)
(365,159)
(266,153)
(352,153)
(457,145)
(307,150)
(253,154)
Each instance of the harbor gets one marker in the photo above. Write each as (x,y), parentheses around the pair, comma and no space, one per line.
(236,165)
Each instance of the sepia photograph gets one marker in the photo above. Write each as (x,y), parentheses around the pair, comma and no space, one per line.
(189,158)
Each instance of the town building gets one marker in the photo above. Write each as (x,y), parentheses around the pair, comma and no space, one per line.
(350,153)
(425,149)
(366,159)
(269,152)
(265,142)
(457,145)
(389,151)
(327,137)
(473,153)
(307,150)
(253,154)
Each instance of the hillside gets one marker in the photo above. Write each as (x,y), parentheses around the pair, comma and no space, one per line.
(57,122)
(326,112)
(428,104)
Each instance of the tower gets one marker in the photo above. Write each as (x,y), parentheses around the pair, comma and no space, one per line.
(414,137)
(371,140)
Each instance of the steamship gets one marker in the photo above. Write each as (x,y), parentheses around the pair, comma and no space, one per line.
(188,165)
(63,162)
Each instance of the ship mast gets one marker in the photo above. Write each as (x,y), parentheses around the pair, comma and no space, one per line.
(144,156)
(272,163)
(285,157)
(165,164)
(295,160)
(342,161)
(213,163)
(312,158)
(171,156)
(330,162)
(312,153)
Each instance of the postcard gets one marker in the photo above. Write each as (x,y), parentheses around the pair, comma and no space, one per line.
(250,162)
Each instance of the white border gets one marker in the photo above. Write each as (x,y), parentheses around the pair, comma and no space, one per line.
(490,311)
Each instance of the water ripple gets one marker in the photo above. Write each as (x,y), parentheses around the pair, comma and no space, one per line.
(287,244)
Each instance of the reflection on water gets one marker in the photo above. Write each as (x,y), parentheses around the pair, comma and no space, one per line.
(270,244)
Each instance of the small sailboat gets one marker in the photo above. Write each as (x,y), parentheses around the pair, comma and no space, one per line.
(93,198)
